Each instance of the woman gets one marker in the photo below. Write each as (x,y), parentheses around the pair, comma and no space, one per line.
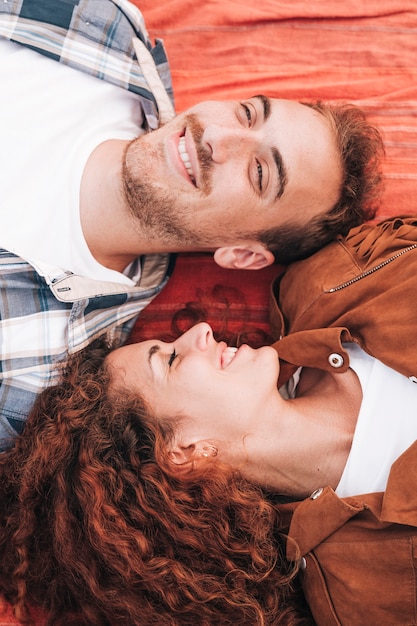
(216,407)
(205,391)
(100,529)
(359,550)
(344,445)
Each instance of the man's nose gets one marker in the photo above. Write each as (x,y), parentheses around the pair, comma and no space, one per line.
(224,142)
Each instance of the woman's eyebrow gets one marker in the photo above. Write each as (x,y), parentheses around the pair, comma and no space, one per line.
(152,350)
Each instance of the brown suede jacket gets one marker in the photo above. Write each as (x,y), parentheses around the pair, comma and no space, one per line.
(359,554)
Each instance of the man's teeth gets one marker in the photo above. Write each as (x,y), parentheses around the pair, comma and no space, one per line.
(185,158)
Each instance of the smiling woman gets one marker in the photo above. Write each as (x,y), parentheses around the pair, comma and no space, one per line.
(99,527)
(199,377)
(228,400)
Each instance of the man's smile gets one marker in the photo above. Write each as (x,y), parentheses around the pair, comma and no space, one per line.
(185,158)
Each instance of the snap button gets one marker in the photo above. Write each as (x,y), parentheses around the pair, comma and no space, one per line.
(413,379)
(316,494)
(336,360)
(303,563)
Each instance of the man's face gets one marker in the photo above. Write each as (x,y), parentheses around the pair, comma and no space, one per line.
(223,170)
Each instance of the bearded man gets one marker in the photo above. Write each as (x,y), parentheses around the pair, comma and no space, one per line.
(101,182)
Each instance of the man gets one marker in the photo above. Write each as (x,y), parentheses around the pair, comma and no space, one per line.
(92,206)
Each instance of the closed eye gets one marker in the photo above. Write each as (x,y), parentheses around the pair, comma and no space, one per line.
(172,358)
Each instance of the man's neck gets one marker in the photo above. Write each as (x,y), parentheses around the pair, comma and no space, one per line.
(105,221)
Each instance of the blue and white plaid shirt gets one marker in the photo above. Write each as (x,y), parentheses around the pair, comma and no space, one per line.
(47,313)
(104,38)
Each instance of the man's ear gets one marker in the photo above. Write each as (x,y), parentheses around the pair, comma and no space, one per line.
(249,255)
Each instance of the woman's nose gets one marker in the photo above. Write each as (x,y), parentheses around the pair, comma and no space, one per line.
(222,142)
(198,337)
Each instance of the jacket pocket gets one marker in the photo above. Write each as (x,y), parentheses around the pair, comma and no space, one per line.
(363,582)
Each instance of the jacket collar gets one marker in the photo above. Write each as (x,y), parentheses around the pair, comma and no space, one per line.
(323,513)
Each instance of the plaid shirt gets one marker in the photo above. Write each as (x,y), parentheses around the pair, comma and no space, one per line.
(47,313)
(103,38)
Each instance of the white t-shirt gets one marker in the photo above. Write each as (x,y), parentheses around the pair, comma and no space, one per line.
(386,426)
(51,119)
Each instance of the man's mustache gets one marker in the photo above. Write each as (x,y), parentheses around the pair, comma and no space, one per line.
(203,155)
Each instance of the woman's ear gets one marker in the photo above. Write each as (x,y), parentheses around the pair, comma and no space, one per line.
(180,455)
(248,255)
(187,455)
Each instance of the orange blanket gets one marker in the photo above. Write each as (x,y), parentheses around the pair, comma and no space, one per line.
(355,51)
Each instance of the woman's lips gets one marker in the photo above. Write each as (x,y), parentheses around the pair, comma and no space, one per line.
(227,356)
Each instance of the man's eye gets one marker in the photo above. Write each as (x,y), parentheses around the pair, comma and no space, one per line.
(172,358)
(247,113)
(260,174)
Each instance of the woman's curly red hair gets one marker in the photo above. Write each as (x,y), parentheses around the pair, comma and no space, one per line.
(98,529)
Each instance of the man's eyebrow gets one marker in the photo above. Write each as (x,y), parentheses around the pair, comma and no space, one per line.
(151,352)
(282,172)
(266,105)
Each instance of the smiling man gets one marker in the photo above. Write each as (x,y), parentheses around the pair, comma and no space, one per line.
(248,180)
(219,175)
(101,182)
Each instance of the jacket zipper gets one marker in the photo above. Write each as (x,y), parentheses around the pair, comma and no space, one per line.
(371,271)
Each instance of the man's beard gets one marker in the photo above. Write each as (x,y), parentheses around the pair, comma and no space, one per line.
(155,210)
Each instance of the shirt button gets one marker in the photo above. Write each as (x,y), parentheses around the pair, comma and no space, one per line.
(336,360)
(316,494)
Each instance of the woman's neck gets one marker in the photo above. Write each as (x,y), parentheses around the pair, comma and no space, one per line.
(304,443)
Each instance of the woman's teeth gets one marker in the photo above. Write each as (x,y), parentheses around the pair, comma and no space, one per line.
(228,356)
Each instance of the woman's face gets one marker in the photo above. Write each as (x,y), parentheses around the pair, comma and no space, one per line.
(221,391)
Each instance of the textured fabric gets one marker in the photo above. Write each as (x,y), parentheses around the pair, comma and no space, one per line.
(242,296)
(358,553)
